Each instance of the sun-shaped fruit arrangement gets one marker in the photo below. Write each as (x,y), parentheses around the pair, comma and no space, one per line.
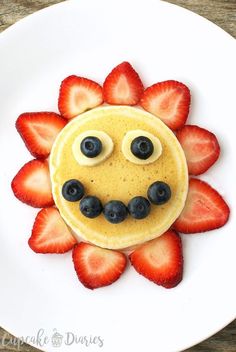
(111,174)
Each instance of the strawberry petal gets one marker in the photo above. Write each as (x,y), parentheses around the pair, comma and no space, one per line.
(50,234)
(78,94)
(168,100)
(39,131)
(123,86)
(97,267)
(200,146)
(204,210)
(160,260)
(32,184)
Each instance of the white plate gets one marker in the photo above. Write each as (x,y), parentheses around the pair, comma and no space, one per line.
(89,38)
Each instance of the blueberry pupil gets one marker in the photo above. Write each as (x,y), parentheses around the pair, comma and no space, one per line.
(89,145)
(142,147)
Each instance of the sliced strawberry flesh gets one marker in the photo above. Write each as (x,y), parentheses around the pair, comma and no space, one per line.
(205,209)
(160,260)
(97,267)
(78,94)
(168,100)
(123,86)
(32,184)
(50,234)
(200,146)
(39,131)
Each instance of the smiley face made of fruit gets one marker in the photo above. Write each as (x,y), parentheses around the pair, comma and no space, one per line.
(114,180)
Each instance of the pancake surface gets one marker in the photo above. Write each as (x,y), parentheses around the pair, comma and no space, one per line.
(117,178)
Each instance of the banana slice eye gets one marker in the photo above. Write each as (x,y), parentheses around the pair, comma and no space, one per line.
(141,147)
(92,147)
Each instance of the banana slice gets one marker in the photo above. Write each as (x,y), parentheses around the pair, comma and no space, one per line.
(126,147)
(107,148)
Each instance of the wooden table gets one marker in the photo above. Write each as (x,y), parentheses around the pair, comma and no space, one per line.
(221,12)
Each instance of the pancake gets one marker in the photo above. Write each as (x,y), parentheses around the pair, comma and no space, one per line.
(117,178)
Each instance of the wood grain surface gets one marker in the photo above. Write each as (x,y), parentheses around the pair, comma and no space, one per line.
(221,12)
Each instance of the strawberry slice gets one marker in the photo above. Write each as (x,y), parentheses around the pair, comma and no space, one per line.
(168,100)
(200,146)
(39,130)
(50,233)
(160,260)
(97,267)
(32,184)
(204,209)
(123,86)
(78,94)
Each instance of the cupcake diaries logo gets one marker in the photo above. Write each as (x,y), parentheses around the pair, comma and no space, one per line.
(55,339)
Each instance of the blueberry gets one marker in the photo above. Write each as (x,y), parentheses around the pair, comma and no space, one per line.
(159,193)
(90,207)
(91,146)
(73,190)
(142,147)
(115,211)
(139,207)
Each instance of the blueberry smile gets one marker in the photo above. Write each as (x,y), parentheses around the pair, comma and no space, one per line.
(116,211)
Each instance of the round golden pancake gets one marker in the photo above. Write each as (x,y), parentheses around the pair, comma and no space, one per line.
(117,178)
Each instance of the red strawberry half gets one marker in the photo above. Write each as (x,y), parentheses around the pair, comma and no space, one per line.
(97,267)
(78,94)
(39,130)
(204,210)
(123,86)
(168,100)
(200,146)
(160,260)
(32,184)
(50,233)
